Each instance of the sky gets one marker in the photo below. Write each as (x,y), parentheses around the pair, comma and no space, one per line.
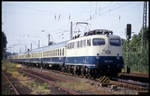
(30,22)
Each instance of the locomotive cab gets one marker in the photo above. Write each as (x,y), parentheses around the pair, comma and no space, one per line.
(108,52)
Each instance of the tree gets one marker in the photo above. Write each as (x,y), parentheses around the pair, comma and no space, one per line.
(3,44)
(138,60)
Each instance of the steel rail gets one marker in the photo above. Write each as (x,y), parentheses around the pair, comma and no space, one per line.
(14,88)
(53,83)
(127,85)
(120,83)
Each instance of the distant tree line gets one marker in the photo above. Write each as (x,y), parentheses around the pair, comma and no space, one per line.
(3,45)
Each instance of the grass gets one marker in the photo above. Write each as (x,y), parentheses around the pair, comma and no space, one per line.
(75,85)
(36,87)
(10,67)
(44,85)
(31,84)
(23,74)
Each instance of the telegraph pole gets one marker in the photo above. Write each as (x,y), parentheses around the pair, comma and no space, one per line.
(144,24)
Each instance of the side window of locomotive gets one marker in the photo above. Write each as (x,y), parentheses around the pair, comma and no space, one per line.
(89,42)
(75,44)
(98,41)
(115,42)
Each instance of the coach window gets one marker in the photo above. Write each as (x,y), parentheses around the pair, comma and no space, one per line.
(81,43)
(89,42)
(63,52)
(54,52)
(84,43)
(70,45)
(115,42)
(73,45)
(98,41)
(59,52)
(77,44)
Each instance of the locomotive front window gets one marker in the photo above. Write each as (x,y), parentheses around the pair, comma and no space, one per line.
(98,41)
(115,42)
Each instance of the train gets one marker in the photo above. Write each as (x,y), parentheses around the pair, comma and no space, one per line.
(96,52)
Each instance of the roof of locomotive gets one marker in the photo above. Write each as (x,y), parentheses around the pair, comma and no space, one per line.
(95,33)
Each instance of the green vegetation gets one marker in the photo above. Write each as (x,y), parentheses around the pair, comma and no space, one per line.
(31,84)
(23,74)
(3,45)
(44,85)
(138,58)
(10,67)
(75,85)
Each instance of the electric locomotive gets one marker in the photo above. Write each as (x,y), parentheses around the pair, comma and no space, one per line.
(97,50)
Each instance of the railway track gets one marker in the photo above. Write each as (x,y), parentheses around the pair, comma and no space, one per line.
(135,76)
(118,82)
(126,83)
(12,85)
(16,84)
(49,80)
